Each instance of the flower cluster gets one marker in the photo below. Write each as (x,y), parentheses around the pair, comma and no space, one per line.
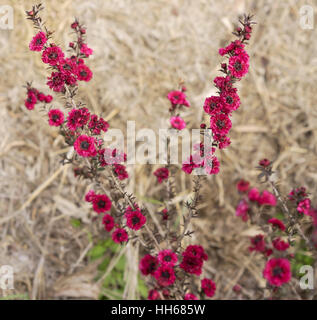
(252,195)
(219,108)
(164,269)
(66,71)
(34,96)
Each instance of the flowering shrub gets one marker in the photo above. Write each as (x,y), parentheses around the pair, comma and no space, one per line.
(172,269)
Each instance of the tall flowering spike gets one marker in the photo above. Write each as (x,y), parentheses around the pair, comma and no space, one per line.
(220,107)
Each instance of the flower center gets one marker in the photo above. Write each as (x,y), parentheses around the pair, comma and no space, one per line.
(39,41)
(101,203)
(167,258)
(238,65)
(277,271)
(165,274)
(135,220)
(220,124)
(229,99)
(83,73)
(52,55)
(84,145)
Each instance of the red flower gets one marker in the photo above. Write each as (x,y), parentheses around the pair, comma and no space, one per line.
(220,124)
(52,55)
(304,206)
(148,265)
(297,194)
(153,295)
(242,210)
(83,73)
(85,50)
(209,287)
(267,198)
(254,194)
(280,245)
(211,164)
(119,235)
(193,259)
(223,83)
(161,174)
(101,203)
(178,97)
(239,65)
(231,100)
(30,100)
(135,219)
(85,146)
(120,171)
(167,257)
(178,123)
(90,196)
(56,117)
(165,275)
(277,223)
(213,105)
(108,222)
(77,118)
(277,271)
(190,296)
(97,125)
(243,185)
(258,243)
(264,163)
(38,42)
(48,98)
(56,81)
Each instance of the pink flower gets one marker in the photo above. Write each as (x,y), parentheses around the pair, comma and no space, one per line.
(30,100)
(83,73)
(211,164)
(85,50)
(304,206)
(108,222)
(161,174)
(101,203)
(177,98)
(220,124)
(190,296)
(231,100)
(267,198)
(167,257)
(239,65)
(153,295)
(213,105)
(165,275)
(120,171)
(119,235)
(254,194)
(85,146)
(209,287)
(135,219)
(277,271)
(56,81)
(243,185)
(193,259)
(280,245)
(48,98)
(52,55)
(77,118)
(242,210)
(56,117)
(178,123)
(258,243)
(90,195)
(277,223)
(148,264)
(38,41)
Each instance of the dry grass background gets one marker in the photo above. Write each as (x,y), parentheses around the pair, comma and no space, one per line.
(141,50)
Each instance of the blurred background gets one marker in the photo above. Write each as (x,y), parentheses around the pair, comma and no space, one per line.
(142,49)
